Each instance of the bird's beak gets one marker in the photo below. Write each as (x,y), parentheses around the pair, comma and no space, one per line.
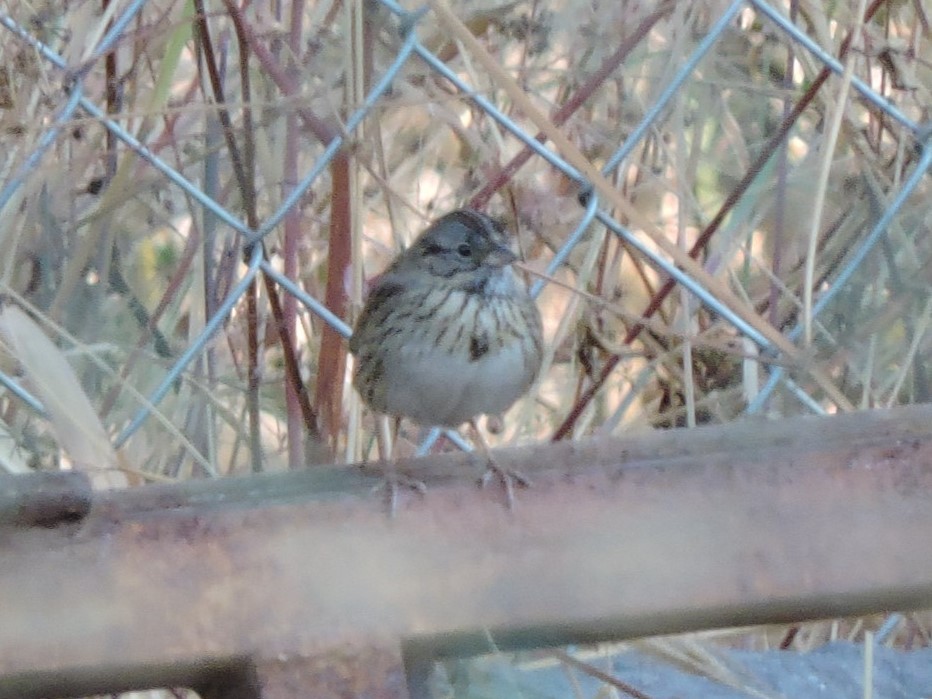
(500,256)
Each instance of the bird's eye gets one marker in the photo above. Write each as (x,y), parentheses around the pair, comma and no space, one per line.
(464,250)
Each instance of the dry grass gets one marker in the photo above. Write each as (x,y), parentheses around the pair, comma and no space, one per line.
(121,270)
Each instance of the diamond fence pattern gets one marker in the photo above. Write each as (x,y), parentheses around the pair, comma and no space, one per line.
(545,143)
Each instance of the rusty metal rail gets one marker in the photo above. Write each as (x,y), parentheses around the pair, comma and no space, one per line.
(298,584)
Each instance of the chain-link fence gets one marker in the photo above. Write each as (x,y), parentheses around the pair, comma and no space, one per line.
(805,237)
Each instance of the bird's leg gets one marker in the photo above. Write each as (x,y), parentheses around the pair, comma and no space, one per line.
(507,477)
(391,479)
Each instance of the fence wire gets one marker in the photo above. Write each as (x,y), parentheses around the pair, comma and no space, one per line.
(81,100)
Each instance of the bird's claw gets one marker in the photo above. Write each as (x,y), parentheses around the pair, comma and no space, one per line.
(507,477)
(391,482)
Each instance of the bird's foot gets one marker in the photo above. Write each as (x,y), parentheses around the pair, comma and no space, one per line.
(392,482)
(509,478)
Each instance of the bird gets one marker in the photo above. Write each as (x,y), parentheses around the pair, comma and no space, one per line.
(449,331)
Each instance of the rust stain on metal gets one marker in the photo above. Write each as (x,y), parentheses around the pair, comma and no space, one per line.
(44,499)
